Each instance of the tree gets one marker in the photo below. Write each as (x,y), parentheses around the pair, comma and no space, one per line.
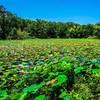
(97,33)
(13,27)
(2,22)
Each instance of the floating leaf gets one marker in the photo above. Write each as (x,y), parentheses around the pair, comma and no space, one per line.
(78,70)
(67,98)
(63,94)
(33,88)
(3,93)
(40,97)
(96,72)
(60,79)
(22,96)
(68,66)
(63,63)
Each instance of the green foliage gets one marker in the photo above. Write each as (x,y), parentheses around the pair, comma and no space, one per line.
(81,91)
(53,70)
(22,96)
(40,97)
(3,93)
(61,79)
(67,98)
(96,72)
(64,95)
(33,88)
(78,69)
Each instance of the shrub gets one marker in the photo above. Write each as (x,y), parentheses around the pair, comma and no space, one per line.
(22,34)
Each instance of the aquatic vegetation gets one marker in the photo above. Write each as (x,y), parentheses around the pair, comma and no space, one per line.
(48,71)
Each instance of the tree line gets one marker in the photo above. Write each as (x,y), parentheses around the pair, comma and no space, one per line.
(13,27)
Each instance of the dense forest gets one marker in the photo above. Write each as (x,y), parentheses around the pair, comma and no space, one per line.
(13,27)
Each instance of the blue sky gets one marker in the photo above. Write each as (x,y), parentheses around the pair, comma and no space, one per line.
(79,11)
